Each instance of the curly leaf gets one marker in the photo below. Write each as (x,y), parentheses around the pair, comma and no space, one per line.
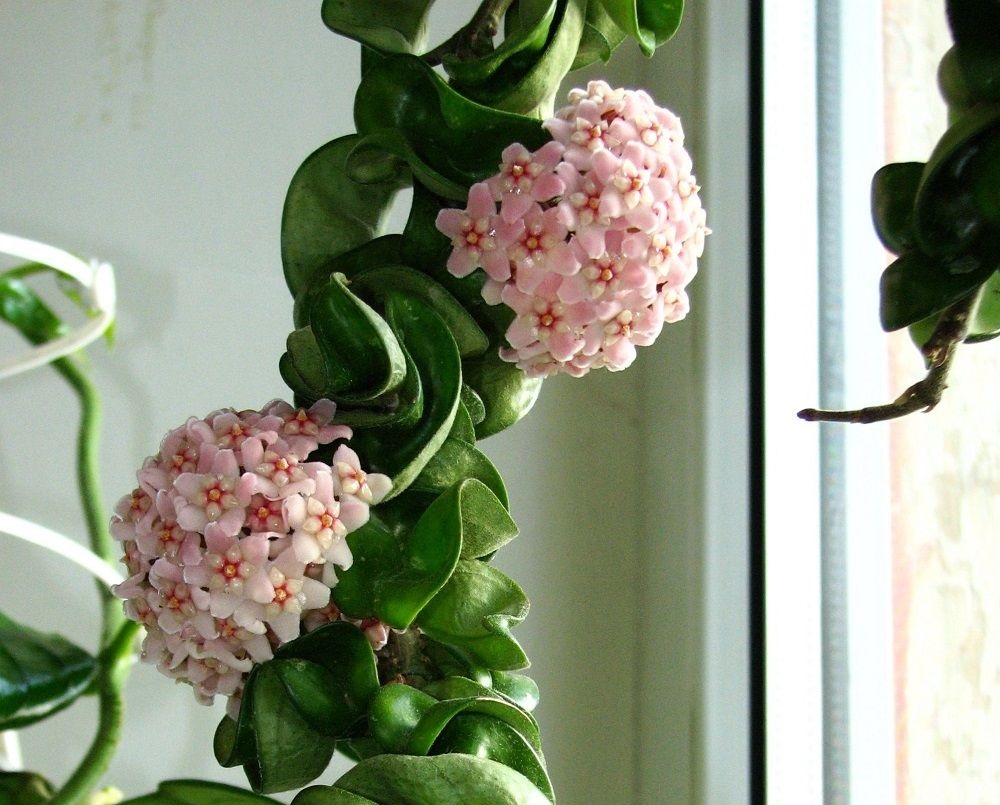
(289,752)
(457,459)
(457,139)
(197,792)
(425,733)
(436,780)
(388,26)
(488,737)
(519,688)
(601,36)
(649,22)
(361,354)
(894,191)
(530,88)
(915,287)
(475,611)
(396,571)
(526,30)
(948,220)
(375,282)
(403,453)
(395,713)
(327,213)
(984,324)
(40,674)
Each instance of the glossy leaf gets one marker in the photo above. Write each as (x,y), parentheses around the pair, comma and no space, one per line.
(457,139)
(487,737)
(649,22)
(457,459)
(525,78)
(395,713)
(425,733)
(519,688)
(984,325)
(395,574)
(475,612)
(402,454)
(362,356)
(436,780)
(197,792)
(343,651)
(600,37)
(473,404)
(289,752)
(947,218)
(507,393)
(40,674)
(387,147)
(326,213)
(389,26)
(894,192)
(915,287)
(374,283)
(24,788)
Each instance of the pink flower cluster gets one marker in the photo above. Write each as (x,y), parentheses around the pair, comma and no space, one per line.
(231,540)
(591,239)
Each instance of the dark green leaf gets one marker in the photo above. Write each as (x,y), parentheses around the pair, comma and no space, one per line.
(197,792)
(424,734)
(475,611)
(474,405)
(361,353)
(24,788)
(402,453)
(649,22)
(40,673)
(389,26)
(948,220)
(455,460)
(974,26)
(289,752)
(485,736)
(519,688)
(326,213)
(984,325)
(600,36)
(507,393)
(374,283)
(395,573)
(439,780)
(447,134)
(395,713)
(915,287)
(894,192)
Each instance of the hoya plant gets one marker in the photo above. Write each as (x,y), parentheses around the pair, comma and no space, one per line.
(322,564)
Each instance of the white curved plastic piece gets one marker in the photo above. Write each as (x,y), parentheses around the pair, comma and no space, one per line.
(97,278)
(58,544)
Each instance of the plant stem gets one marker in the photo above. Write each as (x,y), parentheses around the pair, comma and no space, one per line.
(476,38)
(924,395)
(117,633)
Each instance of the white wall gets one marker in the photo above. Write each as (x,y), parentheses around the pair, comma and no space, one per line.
(161,136)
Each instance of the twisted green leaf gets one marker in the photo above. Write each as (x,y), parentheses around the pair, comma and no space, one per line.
(197,792)
(649,22)
(389,26)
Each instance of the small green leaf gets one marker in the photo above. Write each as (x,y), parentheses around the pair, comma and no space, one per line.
(506,391)
(649,22)
(40,674)
(474,611)
(197,792)
(326,213)
(437,780)
(984,324)
(457,459)
(22,308)
(915,287)
(388,26)
(519,688)
(395,713)
(24,788)
(600,36)
(423,736)
(395,573)
(894,191)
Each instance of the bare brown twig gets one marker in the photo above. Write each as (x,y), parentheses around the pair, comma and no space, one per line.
(924,395)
